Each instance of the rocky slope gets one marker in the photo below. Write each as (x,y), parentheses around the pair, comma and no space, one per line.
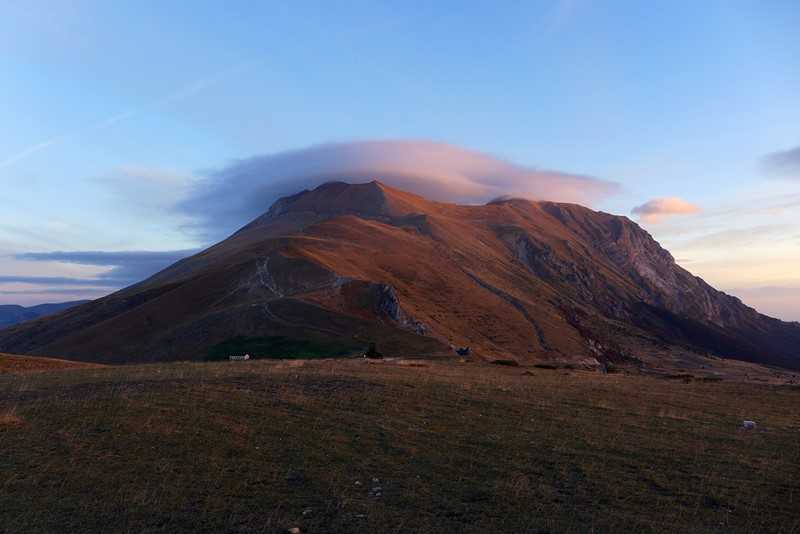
(348,264)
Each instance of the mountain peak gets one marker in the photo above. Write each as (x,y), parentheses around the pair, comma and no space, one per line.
(370,199)
(351,263)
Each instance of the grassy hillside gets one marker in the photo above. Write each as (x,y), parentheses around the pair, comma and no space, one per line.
(349,446)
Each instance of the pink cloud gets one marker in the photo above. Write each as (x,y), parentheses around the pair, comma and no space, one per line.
(246,188)
(657,209)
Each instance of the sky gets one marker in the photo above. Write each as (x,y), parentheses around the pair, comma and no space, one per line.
(134,133)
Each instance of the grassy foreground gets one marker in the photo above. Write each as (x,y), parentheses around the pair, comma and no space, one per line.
(345,446)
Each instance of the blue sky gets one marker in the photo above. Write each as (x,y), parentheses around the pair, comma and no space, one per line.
(116,114)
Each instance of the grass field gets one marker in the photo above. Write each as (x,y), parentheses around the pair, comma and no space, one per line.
(10,363)
(394,446)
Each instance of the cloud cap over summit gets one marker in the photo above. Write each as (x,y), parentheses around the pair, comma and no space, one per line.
(232,195)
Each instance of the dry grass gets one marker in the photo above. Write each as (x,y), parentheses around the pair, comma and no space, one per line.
(14,364)
(342,446)
(10,419)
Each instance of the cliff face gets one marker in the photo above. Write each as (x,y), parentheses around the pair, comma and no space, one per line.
(663,283)
(513,279)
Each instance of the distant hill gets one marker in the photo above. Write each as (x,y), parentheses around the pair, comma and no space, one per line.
(11,314)
(325,272)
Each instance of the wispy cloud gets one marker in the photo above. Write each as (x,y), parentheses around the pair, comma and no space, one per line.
(56,281)
(127,267)
(784,162)
(150,190)
(71,291)
(233,195)
(170,98)
(168,178)
(775,301)
(659,208)
(31,150)
(739,237)
(42,237)
(561,12)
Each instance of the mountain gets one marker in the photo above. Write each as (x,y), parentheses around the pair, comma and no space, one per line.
(11,314)
(330,270)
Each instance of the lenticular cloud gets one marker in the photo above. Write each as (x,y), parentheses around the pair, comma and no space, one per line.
(659,208)
(231,196)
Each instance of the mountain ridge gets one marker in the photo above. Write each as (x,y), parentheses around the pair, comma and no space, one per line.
(514,279)
(11,314)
